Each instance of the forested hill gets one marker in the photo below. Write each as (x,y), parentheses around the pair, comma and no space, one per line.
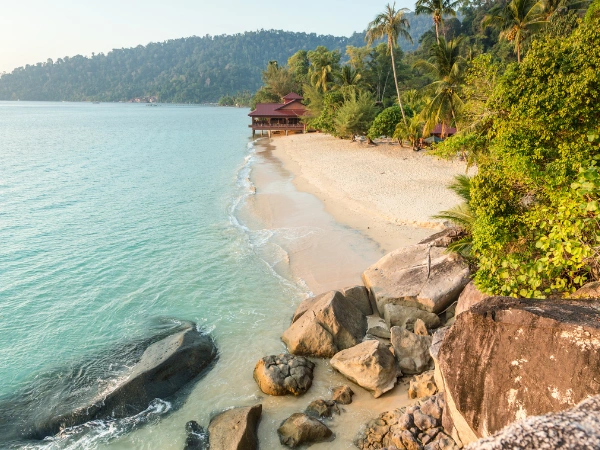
(195,69)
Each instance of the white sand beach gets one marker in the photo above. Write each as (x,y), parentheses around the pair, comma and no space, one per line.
(386,191)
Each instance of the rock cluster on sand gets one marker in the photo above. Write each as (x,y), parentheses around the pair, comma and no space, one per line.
(577,428)
(235,429)
(370,365)
(299,429)
(415,428)
(505,359)
(330,324)
(420,276)
(284,374)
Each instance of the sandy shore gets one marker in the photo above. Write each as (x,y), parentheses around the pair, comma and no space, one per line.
(387,192)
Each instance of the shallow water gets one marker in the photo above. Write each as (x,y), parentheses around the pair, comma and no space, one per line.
(114,216)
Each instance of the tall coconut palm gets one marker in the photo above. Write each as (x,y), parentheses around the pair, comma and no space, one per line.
(447,68)
(390,24)
(516,21)
(437,9)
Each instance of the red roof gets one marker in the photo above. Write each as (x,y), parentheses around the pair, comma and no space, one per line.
(292,96)
(275,110)
(449,131)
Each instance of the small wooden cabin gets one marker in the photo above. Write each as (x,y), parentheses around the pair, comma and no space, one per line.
(286,116)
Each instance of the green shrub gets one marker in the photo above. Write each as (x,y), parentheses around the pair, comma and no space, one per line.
(535,198)
(385,123)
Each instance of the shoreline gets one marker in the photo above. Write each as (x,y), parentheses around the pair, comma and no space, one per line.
(323,240)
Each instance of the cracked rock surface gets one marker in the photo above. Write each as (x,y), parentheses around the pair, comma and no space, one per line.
(284,374)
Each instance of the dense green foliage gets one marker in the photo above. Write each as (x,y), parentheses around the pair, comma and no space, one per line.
(535,198)
(194,69)
(385,123)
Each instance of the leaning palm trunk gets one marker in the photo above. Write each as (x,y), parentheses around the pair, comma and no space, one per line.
(396,81)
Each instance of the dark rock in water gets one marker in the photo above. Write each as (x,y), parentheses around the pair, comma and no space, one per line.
(322,408)
(197,437)
(343,395)
(574,429)
(154,368)
(284,374)
(235,429)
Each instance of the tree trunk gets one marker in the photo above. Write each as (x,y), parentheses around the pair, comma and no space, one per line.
(396,81)
(519,52)
(437,31)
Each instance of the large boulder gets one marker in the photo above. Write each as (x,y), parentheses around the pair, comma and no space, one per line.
(370,365)
(574,429)
(284,374)
(470,296)
(307,304)
(299,429)
(406,316)
(330,325)
(505,359)
(421,276)
(411,350)
(235,429)
(167,363)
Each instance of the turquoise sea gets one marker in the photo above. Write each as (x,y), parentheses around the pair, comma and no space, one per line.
(114,217)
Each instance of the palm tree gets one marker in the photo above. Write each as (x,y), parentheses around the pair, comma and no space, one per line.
(517,21)
(447,68)
(391,24)
(437,9)
(461,215)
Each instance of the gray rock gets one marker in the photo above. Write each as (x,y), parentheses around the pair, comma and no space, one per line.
(343,395)
(423,421)
(420,328)
(431,408)
(379,331)
(577,428)
(422,385)
(370,365)
(301,429)
(470,296)
(411,351)
(425,277)
(590,290)
(235,429)
(322,408)
(359,297)
(284,374)
(406,316)
(330,325)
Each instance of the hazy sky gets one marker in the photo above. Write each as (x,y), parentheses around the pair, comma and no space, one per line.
(35,30)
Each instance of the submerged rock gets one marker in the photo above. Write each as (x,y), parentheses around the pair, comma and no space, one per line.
(343,395)
(299,429)
(284,374)
(322,408)
(420,276)
(505,359)
(235,429)
(197,437)
(331,324)
(370,365)
(169,362)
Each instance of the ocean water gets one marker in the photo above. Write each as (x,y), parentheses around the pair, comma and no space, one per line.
(120,221)
(113,219)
